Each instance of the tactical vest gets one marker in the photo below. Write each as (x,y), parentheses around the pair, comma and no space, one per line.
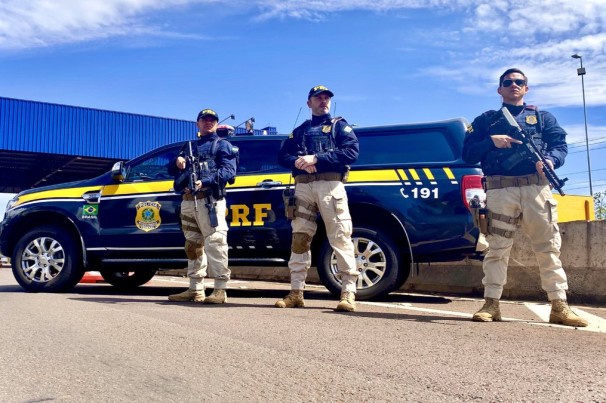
(509,161)
(318,139)
(206,158)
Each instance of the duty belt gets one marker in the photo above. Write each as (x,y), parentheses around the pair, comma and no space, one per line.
(500,182)
(324,176)
(200,194)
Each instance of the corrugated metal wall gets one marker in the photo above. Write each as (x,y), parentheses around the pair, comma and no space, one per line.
(60,129)
(41,127)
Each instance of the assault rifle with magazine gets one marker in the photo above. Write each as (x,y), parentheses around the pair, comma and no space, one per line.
(189,177)
(530,151)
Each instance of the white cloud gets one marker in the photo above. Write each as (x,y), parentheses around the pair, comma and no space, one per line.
(40,23)
(493,34)
(519,33)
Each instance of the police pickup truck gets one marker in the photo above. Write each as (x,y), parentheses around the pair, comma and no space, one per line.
(409,198)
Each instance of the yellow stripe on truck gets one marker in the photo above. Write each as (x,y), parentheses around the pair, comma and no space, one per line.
(414,174)
(449,173)
(383,175)
(65,193)
(428,174)
(242,181)
(120,189)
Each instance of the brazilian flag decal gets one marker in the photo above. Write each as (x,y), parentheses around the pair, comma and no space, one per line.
(90,211)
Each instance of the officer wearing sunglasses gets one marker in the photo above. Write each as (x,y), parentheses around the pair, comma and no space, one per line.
(518,194)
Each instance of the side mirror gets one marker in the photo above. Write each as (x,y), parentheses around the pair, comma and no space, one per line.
(118,171)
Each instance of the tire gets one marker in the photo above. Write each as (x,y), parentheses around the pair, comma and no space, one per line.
(127,280)
(377,262)
(47,259)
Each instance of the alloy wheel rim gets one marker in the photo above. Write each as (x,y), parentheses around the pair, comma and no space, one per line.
(371,263)
(42,259)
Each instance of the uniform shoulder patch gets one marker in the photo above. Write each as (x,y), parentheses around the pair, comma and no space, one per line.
(469,129)
(347,129)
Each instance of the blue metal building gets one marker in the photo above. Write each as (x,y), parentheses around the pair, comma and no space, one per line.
(43,143)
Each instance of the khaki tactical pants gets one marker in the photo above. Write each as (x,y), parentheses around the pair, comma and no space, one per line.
(331,199)
(205,246)
(539,222)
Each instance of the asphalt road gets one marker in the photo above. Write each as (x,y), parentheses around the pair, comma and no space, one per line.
(95,344)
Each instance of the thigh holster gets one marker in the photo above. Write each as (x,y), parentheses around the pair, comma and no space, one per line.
(484,218)
(308,206)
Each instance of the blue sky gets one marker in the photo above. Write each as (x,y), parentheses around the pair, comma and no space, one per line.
(387,61)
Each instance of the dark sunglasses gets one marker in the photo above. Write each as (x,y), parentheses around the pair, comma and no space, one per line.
(518,82)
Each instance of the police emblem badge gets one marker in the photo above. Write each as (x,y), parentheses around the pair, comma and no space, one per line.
(531,119)
(326,129)
(148,215)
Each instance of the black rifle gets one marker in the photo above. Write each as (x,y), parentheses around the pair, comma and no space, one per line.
(533,153)
(193,167)
(189,177)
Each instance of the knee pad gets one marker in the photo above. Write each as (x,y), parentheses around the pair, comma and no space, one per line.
(193,250)
(301,242)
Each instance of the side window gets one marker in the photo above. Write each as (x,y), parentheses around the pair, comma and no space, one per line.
(154,168)
(259,156)
(397,147)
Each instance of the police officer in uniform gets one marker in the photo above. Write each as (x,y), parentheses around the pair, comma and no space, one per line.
(518,193)
(206,245)
(319,153)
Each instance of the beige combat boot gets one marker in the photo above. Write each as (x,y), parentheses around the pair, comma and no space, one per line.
(347,302)
(562,314)
(218,296)
(294,299)
(188,295)
(490,312)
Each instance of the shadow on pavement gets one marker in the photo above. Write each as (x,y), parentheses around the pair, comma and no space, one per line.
(164,291)
(313,294)
(426,318)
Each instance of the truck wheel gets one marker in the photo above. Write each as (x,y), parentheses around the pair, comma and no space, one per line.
(126,280)
(47,259)
(376,260)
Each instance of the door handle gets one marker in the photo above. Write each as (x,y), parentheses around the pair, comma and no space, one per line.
(92,197)
(268,183)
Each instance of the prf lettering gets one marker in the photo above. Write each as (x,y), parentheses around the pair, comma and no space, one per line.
(241,215)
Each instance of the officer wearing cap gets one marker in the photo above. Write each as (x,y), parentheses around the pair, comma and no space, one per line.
(205,244)
(319,153)
(518,193)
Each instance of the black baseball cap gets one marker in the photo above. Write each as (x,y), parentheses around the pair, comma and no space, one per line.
(318,89)
(208,112)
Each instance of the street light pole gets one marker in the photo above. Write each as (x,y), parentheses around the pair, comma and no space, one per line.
(581,72)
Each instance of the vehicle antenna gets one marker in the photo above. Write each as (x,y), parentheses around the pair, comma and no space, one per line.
(297,119)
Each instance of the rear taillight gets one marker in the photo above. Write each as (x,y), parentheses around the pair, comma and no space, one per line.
(472,191)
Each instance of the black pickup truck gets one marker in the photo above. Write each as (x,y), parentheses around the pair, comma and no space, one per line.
(409,198)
